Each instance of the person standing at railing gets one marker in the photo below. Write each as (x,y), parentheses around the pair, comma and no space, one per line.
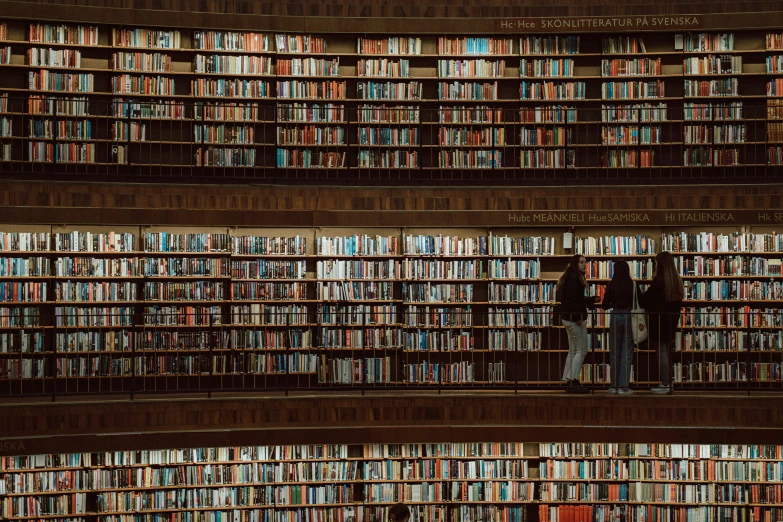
(571,289)
(663,303)
(618,300)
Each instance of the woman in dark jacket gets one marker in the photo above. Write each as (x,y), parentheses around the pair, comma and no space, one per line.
(663,303)
(571,289)
(619,298)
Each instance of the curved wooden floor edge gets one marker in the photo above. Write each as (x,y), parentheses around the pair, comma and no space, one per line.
(271,206)
(166,423)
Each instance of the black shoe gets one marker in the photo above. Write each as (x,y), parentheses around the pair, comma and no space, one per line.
(577,388)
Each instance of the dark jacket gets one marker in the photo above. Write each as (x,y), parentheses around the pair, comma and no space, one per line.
(613,298)
(573,304)
(663,316)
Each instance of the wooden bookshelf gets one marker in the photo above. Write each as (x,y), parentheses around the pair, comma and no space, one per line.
(534,482)
(333,107)
(316,308)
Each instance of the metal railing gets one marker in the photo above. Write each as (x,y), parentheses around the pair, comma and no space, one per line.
(84,137)
(441,347)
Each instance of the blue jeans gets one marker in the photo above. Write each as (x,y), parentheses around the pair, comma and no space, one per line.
(620,348)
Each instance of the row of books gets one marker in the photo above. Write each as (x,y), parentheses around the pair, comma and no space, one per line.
(45,80)
(708,157)
(225,157)
(717,134)
(147,62)
(467,136)
(49,57)
(63,129)
(489,46)
(626,135)
(450,460)
(713,64)
(632,90)
(388,159)
(163,242)
(398,136)
(414,316)
(256,42)
(704,88)
(305,67)
(628,158)
(61,152)
(255,65)
(309,159)
(471,68)
(389,91)
(391,45)
(383,68)
(425,372)
(470,159)
(231,41)
(562,67)
(552,91)
(631,67)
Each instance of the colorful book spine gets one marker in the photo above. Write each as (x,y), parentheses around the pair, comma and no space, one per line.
(622,44)
(287,158)
(235,88)
(225,157)
(391,45)
(148,85)
(147,38)
(308,67)
(61,82)
(311,90)
(383,68)
(288,43)
(230,41)
(140,62)
(52,57)
(554,67)
(552,90)
(549,45)
(700,42)
(467,91)
(471,68)
(468,46)
(389,91)
(154,110)
(64,34)
(388,159)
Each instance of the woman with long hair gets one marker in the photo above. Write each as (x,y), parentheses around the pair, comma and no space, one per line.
(571,288)
(663,303)
(619,300)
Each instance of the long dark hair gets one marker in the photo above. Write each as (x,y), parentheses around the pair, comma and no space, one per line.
(622,283)
(572,268)
(666,274)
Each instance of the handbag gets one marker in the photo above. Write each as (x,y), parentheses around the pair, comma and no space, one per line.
(638,320)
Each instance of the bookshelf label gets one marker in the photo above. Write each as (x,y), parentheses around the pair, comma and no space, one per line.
(770,217)
(578,218)
(700,217)
(11,446)
(647,217)
(603,23)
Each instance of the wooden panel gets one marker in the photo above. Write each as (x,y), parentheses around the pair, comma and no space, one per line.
(15,196)
(533,417)
(472,16)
